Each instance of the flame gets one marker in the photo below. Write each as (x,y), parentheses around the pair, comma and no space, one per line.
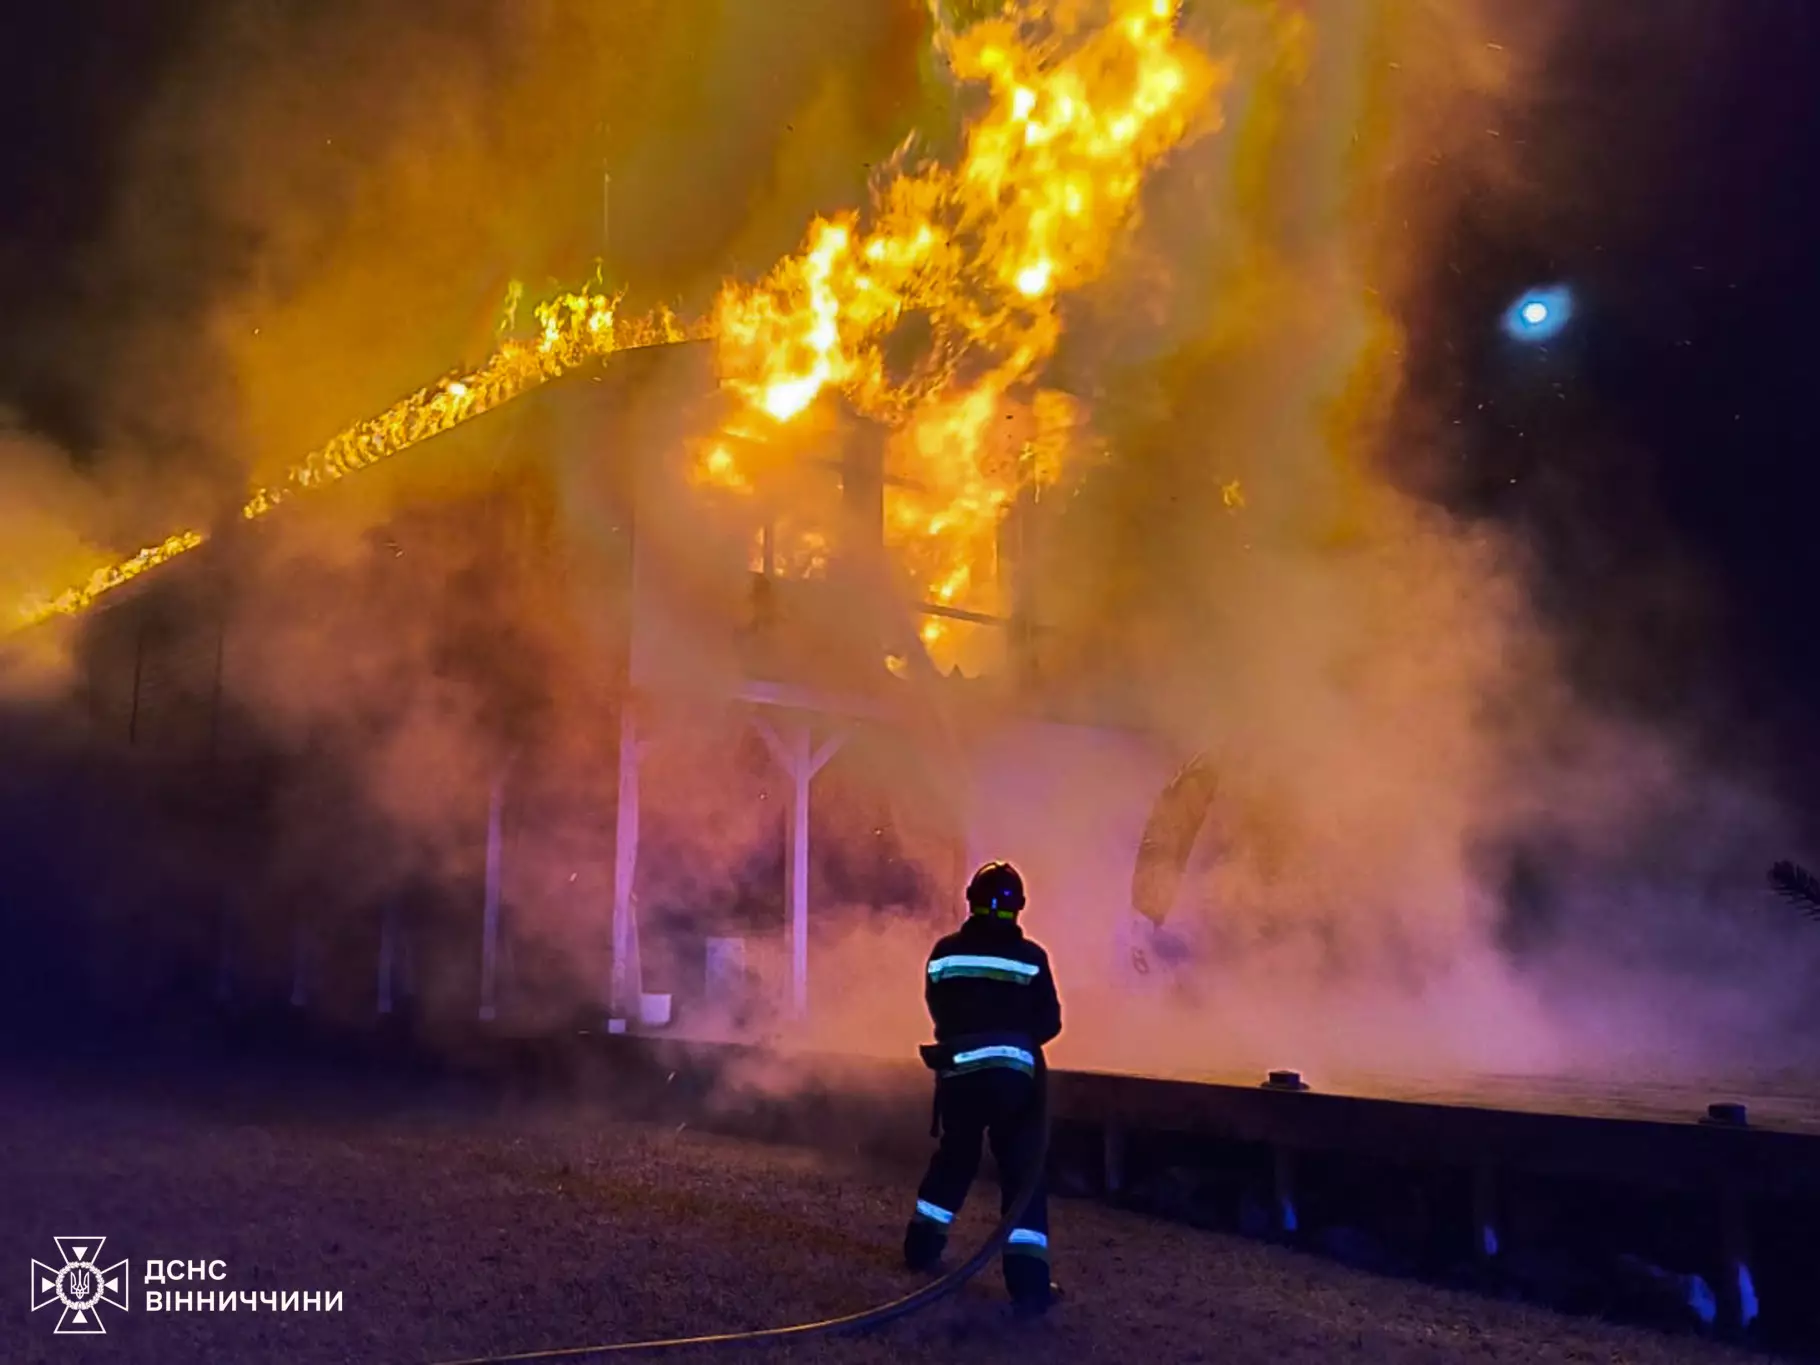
(718,466)
(1075,116)
(945,530)
(983,251)
(106,579)
(1047,181)
(572,329)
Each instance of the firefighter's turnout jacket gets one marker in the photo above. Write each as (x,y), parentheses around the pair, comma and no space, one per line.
(991,997)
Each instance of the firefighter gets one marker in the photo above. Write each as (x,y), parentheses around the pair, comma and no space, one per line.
(994,1005)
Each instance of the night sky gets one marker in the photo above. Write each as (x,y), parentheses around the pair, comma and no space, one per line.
(1659,453)
(71,79)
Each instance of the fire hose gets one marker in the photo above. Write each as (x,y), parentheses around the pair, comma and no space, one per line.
(852,1323)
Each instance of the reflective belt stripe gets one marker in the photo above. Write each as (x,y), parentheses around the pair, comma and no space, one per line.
(935,1213)
(1002,1052)
(990,968)
(1018,1061)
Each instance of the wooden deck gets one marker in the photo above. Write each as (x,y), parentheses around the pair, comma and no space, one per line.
(1639,1135)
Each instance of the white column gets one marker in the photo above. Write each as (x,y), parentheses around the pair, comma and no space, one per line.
(797,881)
(802,764)
(489,918)
(627,979)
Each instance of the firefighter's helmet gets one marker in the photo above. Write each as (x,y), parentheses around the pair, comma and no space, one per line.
(996,889)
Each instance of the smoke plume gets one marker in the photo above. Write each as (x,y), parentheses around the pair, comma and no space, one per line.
(329,205)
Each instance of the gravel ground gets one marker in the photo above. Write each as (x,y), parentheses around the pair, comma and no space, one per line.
(454,1229)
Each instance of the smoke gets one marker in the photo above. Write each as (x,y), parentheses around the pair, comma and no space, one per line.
(1400,741)
(47,525)
(329,204)
(316,208)
(1390,718)
(1335,645)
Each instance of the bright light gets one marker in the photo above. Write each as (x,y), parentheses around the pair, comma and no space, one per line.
(1539,315)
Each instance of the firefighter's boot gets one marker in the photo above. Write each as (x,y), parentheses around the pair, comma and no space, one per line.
(924,1243)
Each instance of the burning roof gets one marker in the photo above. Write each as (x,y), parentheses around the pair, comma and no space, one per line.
(934,311)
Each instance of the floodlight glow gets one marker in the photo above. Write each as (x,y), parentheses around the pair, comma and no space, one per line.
(1539,315)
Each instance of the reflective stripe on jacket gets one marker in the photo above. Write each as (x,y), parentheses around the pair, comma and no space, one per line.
(991,996)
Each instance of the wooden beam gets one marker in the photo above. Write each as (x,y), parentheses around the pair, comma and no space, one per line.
(626,982)
(772,742)
(1652,1151)
(979,618)
(794,697)
(829,747)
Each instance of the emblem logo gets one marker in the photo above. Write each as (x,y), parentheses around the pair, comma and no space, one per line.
(81,1285)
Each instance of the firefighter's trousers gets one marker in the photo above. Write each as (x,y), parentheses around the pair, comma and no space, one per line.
(999,1105)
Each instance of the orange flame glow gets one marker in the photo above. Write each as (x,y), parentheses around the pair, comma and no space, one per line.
(1075,115)
(1047,182)
(72,600)
(572,329)
(982,252)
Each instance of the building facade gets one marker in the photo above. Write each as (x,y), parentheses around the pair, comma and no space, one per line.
(705,731)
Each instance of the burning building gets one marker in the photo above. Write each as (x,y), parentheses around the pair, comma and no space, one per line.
(702,724)
(814,534)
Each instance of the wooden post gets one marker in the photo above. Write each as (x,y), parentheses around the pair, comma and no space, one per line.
(1112,1141)
(863,493)
(224,928)
(1737,1287)
(388,954)
(1016,584)
(408,977)
(1486,1240)
(489,918)
(797,759)
(628,977)
(1283,1173)
(215,693)
(797,879)
(132,719)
